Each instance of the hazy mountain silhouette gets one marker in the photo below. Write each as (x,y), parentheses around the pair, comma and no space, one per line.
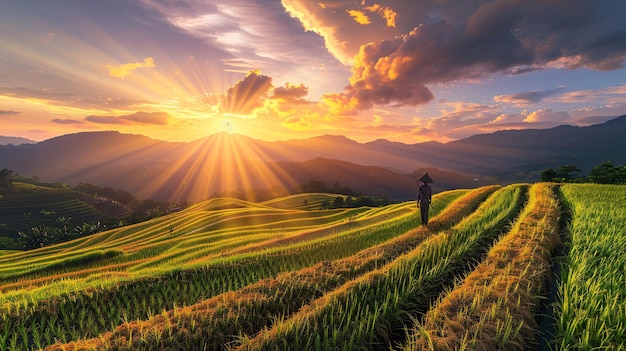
(6,140)
(223,162)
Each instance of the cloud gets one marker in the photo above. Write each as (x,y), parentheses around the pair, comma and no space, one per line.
(246,31)
(593,114)
(452,41)
(67,121)
(461,120)
(386,12)
(237,65)
(339,104)
(137,118)
(296,123)
(8,112)
(343,26)
(290,93)
(247,94)
(359,17)
(65,98)
(159,118)
(547,115)
(107,120)
(528,97)
(608,94)
(43,94)
(123,70)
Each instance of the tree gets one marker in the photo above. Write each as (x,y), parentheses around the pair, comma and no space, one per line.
(349,202)
(567,173)
(6,178)
(314,186)
(40,236)
(606,173)
(338,202)
(364,201)
(562,174)
(603,173)
(548,175)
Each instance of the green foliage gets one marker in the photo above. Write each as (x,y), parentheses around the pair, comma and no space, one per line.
(548,175)
(30,211)
(562,174)
(108,192)
(6,178)
(604,173)
(60,230)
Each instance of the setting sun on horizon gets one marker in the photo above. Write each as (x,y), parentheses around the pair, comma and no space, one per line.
(406,71)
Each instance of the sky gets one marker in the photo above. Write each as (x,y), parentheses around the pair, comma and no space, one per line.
(407,71)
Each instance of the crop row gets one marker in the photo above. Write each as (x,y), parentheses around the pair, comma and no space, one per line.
(122,300)
(219,320)
(260,276)
(369,312)
(148,246)
(495,306)
(591,300)
(135,238)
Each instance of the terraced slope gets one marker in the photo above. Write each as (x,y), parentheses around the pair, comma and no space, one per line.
(229,274)
(28,200)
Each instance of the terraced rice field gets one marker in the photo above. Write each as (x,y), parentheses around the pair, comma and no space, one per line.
(228,274)
(32,200)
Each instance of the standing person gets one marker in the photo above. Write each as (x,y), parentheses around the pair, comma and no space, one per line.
(424,196)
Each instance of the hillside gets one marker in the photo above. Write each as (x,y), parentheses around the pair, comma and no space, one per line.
(223,162)
(514,151)
(25,205)
(284,274)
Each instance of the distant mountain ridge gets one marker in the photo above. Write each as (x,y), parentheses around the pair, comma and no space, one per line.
(6,140)
(224,162)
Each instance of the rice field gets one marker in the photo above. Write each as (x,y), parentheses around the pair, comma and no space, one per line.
(227,274)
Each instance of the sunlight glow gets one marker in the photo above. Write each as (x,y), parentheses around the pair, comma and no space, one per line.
(224,162)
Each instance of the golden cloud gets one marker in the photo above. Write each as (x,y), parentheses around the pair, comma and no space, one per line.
(340,104)
(247,94)
(385,12)
(123,70)
(296,123)
(359,17)
(291,93)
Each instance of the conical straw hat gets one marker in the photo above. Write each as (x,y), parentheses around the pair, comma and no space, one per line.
(426,179)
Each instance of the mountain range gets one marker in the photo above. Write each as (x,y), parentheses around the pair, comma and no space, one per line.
(193,171)
(6,140)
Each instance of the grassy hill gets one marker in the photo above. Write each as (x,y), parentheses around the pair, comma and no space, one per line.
(283,274)
(24,204)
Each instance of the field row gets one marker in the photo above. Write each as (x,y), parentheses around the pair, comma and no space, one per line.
(231,273)
(228,274)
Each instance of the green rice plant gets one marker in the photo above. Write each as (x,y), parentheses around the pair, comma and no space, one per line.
(216,278)
(495,306)
(591,301)
(367,312)
(218,321)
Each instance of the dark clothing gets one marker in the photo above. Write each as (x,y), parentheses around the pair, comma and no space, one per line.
(424,196)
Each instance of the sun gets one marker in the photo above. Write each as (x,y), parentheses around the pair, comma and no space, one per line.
(228,126)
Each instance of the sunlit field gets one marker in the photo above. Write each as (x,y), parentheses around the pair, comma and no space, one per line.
(283,274)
